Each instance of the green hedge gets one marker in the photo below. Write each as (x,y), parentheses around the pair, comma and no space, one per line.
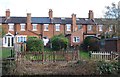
(59,42)
(34,44)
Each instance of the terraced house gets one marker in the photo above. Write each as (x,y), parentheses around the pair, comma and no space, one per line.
(76,29)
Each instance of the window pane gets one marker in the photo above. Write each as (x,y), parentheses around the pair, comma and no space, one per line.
(100,27)
(111,28)
(76,39)
(57,26)
(22,27)
(68,27)
(45,27)
(11,27)
(34,26)
(89,27)
(79,27)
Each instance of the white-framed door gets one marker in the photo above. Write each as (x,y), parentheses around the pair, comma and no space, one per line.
(8,40)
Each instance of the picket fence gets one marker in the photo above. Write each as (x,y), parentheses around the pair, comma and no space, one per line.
(99,55)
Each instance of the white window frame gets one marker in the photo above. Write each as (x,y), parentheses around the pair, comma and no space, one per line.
(68,27)
(100,27)
(57,27)
(34,27)
(21,40)
(89,27)
(76,39)
(46,27)
(111,28)
(11,27)
(22,27)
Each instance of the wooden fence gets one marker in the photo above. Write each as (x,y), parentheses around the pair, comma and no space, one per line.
(98,55)
(49,56)
(20,47)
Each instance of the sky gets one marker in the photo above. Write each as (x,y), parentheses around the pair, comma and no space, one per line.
(61,8)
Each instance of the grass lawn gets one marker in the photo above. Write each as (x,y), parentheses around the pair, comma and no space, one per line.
(6,52)
(84,55)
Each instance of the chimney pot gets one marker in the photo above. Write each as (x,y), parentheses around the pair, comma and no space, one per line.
(50,13)
(90,14)
(7,13)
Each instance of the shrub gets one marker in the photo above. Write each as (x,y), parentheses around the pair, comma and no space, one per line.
(59,42)
(34,44)
(107,68)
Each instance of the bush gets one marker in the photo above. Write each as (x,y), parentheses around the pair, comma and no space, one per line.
(59,42)
(90,44)
(107,68)
(34,44)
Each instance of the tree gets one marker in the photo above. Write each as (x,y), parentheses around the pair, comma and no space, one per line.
(113,12)
(34,44)
(90,43)
(59,42)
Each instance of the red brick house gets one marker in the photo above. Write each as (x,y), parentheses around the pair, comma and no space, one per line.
(19,28)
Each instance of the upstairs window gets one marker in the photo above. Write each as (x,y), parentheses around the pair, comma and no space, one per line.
(89,27)
(46,27)
(76,39)
(57,27)
(11,27)
(100,27)
(68,27)
(79,27)
(111,28)
(34,27)
(22,27)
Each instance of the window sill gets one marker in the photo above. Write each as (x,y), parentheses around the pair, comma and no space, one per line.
(22,30)
(46,30)
(57,30)
(34,30)
(11,30)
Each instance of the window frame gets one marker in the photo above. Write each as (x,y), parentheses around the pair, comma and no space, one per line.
(21,38)
(89,27)
(100,27)
(46,27)
(68,27)
(22,28)
(76,39)
(111,28)
(57,27)
(34,27)
(11,27)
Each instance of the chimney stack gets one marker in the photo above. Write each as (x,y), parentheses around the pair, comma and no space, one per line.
(50,13)
(90,14)
(7,13)
(74,26)
(28,21)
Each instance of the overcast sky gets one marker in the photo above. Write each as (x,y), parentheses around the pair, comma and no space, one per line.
(61,8)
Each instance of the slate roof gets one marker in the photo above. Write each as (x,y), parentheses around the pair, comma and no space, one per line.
(103,21)
(46,20)
(13,20)
(41,20)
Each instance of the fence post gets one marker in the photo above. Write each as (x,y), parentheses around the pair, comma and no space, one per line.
(42,57)
(54,52)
